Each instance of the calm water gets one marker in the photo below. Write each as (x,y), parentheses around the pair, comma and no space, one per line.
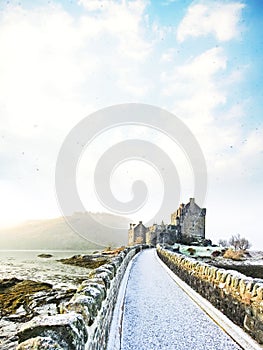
(27,265)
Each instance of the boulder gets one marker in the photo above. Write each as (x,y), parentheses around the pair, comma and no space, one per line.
(45,256)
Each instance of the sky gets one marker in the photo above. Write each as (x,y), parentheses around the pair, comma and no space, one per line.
(200,60)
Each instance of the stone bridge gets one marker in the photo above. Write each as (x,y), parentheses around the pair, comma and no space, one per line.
(136,302)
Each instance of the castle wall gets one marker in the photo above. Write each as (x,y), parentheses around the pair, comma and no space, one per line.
(151,237)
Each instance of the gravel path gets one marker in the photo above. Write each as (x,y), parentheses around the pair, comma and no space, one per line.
(159,315)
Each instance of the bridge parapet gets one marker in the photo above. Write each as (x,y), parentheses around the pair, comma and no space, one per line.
(239,297)
(83,322)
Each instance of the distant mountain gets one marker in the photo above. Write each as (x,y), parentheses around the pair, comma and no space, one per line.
(56,234)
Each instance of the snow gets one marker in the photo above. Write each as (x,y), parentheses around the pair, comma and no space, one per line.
(159,315)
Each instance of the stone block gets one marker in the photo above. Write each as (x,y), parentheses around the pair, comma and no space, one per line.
(243,286)
(93,292)
(111,267)
(246,298)
(249,323)
(259,295)
(259,336)
(39,343)
(81,305)
(93,284)
(103,275)
(68,330)
(228,280)
(255,288)
(116,262)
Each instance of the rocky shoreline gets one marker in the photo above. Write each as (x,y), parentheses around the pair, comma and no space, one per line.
(88,261)
(22,300)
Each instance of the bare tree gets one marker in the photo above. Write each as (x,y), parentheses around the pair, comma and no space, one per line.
(234,241)
(239,243)
(244,244)
(223,243)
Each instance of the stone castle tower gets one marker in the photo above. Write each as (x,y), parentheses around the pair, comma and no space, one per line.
(137,233)
(191,219)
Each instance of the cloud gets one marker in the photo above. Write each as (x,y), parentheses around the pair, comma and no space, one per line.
(168,55)
(56,68)
(201,90)
(194,85)
(94,5)
(217,18)
(53,64)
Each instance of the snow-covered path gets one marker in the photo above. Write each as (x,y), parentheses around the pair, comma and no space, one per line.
(159,315)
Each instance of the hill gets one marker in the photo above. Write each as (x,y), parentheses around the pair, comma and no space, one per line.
(57,234)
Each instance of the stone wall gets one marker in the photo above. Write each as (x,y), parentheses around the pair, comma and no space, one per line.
(239,297)
(84,321)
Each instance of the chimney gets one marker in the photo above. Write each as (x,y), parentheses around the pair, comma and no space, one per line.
(130,226)
(192,200)
(140,222)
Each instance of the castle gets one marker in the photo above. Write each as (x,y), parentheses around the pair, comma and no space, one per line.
(187,226)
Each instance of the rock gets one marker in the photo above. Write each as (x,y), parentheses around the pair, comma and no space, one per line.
(39,343)
(90,302)
(88,261)
(8,331)
(46,256)
(105,270)
(82,305)
(102,275)
(110,267)
(52,296)
(15,293)
(113,252)
(93,291)
(47,302)
(116,262)
(93,283)
(49,309)
(67,330)
(8,282)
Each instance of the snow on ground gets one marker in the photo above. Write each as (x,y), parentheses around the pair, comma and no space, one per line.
(158,315)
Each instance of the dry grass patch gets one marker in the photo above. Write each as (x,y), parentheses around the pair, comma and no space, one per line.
(237,255)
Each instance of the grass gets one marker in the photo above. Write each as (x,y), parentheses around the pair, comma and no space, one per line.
(236,255)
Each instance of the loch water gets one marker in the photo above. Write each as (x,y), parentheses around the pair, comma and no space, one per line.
(26,264)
